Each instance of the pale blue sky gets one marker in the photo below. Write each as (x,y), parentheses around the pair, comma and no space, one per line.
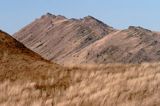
(15,14)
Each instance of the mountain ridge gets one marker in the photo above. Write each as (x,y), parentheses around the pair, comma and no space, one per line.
(64,41)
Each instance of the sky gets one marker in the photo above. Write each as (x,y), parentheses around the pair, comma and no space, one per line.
(15,14)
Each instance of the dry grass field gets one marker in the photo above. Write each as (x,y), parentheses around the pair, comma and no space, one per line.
(103,85)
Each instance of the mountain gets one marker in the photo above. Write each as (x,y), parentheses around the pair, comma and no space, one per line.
(88,40)
(56,37)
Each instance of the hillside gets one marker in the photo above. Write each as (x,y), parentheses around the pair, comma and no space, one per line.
(20,66)
(17,61)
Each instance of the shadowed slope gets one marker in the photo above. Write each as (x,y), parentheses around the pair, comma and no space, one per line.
(15,58)
(20,69)
(11,46)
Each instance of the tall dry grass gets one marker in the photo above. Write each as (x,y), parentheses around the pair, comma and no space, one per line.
(103,85)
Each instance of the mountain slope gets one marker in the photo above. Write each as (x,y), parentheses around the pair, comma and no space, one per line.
(56,37)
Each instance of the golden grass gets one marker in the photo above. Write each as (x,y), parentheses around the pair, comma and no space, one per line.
(103,85)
